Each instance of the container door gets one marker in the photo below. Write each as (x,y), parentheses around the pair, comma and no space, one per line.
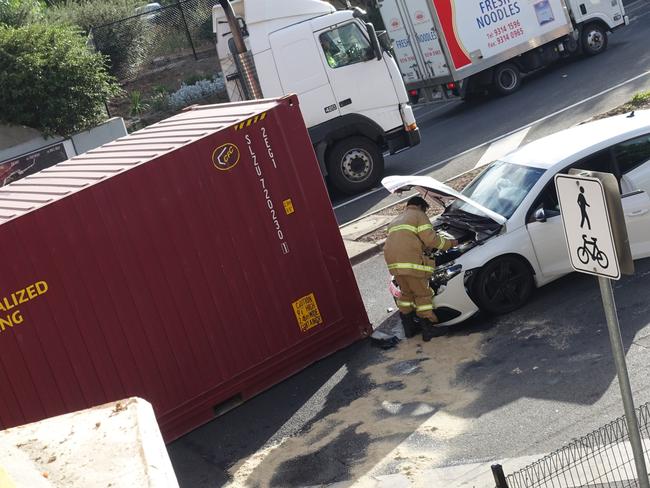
(301,71)
(397,30)
(361,83)
(428,45)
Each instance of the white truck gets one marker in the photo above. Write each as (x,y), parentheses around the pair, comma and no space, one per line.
(351,92)
(469,46)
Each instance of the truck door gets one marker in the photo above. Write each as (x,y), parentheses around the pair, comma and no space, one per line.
(611,12)
(361,83)
(301,71)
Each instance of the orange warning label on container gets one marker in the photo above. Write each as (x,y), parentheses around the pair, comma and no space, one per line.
(307,313)
(288,206)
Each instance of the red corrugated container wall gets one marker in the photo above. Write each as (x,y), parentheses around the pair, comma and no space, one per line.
(192,262)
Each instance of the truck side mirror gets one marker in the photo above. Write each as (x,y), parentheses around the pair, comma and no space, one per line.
(374,41)
(384,41)
(540,215)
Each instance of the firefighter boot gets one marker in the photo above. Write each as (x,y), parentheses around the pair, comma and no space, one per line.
(431,330)
(411,327)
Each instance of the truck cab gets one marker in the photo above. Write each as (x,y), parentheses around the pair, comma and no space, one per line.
(351,93)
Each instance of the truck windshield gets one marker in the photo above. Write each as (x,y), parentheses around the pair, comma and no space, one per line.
(501,188)
(345,45)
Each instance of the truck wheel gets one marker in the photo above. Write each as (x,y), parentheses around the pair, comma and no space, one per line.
(594,39)
(507,78)
(354,164)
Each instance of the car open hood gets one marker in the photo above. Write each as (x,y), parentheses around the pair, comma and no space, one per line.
(428,186)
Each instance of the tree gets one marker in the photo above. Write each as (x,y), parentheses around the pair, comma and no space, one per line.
(19,12)
(51,81)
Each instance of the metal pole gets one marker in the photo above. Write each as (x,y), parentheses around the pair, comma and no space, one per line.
(623,379)
(187,29)
(245,59)
(499,477)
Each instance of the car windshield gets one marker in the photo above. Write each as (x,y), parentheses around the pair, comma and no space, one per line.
(501,188)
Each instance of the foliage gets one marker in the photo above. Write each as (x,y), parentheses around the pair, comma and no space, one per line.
(126,43)
(137,104)
(16,13)
(195,77)
(187,94)
(640,99)
(51,81)
(160,99)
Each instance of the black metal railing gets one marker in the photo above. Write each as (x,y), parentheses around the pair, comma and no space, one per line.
(602,459)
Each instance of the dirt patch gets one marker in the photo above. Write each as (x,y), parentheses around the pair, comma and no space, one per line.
(392,427)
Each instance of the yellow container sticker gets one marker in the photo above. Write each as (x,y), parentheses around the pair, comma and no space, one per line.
(288,206)
(307,313)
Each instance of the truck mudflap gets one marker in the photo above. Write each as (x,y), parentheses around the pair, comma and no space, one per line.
(406,136)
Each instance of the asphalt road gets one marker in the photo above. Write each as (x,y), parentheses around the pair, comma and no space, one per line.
(450,129)
(522,384)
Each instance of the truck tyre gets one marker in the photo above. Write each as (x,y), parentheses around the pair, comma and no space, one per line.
(507,78)
(354,164)
(594,39)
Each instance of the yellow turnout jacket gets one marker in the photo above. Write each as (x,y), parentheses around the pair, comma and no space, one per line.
(409,234)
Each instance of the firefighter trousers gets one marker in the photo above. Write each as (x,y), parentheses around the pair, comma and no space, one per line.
(416,296)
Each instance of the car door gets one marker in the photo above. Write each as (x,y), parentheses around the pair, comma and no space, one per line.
(546,233)
(633,163)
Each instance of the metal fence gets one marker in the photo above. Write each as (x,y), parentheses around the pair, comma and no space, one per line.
(157,52)
(601,459)
(183,28)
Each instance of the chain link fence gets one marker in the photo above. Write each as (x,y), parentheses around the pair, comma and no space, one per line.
(164,57)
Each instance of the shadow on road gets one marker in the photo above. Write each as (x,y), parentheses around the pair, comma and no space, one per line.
(556,348)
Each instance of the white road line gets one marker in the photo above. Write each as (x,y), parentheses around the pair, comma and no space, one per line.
(467,151)
(502,147)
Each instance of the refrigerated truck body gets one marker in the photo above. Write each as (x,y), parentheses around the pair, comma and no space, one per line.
(468,46)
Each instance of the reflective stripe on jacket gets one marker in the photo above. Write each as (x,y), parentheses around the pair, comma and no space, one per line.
(409,234)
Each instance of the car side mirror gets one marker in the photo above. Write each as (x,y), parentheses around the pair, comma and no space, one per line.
(540,215)
(374,41)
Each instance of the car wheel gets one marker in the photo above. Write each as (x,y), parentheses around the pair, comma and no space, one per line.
(594,39)
(507,78)
(354,164)
(503,285)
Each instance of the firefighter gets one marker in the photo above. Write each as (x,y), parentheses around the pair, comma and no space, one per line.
(409,235)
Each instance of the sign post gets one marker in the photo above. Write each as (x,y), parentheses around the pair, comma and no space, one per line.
(596,236)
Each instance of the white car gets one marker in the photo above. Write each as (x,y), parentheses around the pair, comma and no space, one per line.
(508,218)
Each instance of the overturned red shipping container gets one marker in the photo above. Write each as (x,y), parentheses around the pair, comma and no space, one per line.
(193,263)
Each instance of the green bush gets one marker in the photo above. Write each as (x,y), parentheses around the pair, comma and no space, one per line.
(640,99)
(19,12)
(126,43)
(51,81)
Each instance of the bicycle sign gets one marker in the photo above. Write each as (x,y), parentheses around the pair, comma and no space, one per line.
(587,225)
